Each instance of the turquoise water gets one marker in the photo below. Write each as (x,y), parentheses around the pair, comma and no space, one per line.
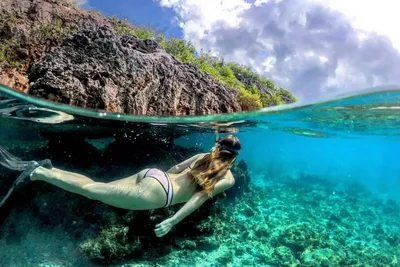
(308,163)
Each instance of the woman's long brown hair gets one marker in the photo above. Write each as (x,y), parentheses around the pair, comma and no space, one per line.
(207,171)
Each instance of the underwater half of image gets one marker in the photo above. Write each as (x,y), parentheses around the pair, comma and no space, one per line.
(315,185)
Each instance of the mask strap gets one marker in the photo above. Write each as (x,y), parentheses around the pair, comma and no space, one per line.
(216,135)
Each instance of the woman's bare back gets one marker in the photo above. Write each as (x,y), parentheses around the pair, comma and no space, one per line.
(184,187)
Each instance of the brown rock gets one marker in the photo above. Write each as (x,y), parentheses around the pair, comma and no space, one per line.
(14,79)
(29,29)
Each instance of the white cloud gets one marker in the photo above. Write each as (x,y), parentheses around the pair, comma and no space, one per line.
(79,2)
(378,16)
(312,47)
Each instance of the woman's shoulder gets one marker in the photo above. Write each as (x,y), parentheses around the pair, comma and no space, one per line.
(197,157)
(201,155)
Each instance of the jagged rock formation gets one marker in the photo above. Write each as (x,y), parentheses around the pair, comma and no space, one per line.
(97,69)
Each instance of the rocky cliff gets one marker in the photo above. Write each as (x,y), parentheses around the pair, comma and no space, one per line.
(97,69)
(53,50)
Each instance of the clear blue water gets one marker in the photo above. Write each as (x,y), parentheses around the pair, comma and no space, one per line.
(353,139)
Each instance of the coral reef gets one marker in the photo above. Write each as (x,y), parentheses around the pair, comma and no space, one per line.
(304,222)
(292,222)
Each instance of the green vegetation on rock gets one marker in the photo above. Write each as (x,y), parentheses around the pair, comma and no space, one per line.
(254,90)
(69,3)
(56,29)
(8,52)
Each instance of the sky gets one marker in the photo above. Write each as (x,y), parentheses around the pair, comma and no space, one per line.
(315,48)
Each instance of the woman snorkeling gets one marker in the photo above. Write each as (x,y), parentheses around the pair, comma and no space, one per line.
(192,182)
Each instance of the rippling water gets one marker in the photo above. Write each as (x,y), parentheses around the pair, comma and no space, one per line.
(350,139)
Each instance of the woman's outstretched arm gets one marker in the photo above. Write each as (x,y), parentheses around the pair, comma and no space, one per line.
(193,204)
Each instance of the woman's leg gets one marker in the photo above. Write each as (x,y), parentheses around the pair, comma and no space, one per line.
(117,193)
(69,181)
(140,194)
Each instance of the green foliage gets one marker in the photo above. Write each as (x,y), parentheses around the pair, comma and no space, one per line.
(274,100)
(122,27)
(248,74)
(243,70)
(251,95)
(287,94)
(160,38)
(8,52)
(182,50)
(55,30)
(144,32)
(69,3)
(228,77)
(208,64)
(249,101)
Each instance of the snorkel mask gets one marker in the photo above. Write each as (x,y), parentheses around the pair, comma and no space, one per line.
(233,151)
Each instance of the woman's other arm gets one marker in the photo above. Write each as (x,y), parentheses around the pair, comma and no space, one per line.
(193,204)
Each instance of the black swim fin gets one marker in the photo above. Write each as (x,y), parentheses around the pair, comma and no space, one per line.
(14,163)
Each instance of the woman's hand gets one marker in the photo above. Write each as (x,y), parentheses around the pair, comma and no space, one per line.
(164,227)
